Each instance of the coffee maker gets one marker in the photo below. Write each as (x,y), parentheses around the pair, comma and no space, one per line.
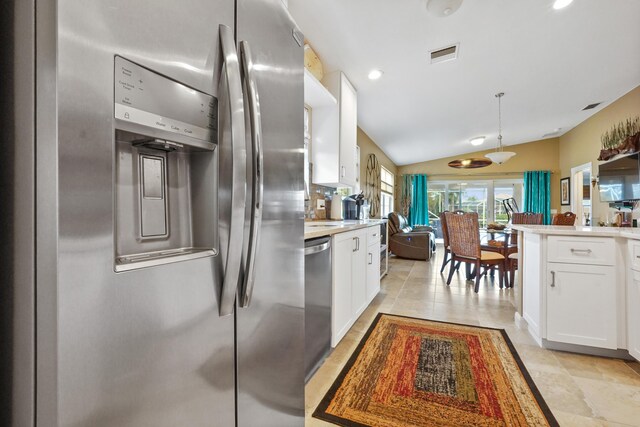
(352,206)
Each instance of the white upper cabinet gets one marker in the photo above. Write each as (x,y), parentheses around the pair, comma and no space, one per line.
(341,170)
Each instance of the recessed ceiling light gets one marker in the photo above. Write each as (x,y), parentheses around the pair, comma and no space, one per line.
(478,140)
(375,74)
(559,4)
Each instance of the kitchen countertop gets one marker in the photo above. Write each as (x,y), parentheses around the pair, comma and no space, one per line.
(313,229)
(628,232)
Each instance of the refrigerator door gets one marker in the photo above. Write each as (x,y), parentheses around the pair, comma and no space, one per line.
(270,330)
(144,347)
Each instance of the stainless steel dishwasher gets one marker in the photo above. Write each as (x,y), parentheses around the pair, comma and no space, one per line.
(317,300)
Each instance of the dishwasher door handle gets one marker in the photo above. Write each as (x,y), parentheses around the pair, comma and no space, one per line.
(318,248)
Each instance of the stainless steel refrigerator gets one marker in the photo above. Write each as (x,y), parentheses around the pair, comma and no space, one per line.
(152,214)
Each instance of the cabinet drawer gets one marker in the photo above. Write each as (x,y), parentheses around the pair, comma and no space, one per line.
(634,254)
(373,235)
(581,250)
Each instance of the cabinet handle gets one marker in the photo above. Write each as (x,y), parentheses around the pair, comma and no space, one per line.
(357,243)
(586,251)
(370,258)
(355,239)
(553,279)
(343,170)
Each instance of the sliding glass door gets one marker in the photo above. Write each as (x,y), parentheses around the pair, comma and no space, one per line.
(483,197)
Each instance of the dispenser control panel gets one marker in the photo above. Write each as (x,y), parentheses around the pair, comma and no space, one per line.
(150,99)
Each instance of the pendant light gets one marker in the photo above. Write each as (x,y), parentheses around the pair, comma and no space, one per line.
(499,156)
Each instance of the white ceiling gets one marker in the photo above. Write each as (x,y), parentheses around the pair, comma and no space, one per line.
(549,63)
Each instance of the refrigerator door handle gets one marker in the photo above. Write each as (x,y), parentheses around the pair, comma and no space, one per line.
(233,262)
(257,164)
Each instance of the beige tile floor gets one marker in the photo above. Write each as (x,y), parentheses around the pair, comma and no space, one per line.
(580,390)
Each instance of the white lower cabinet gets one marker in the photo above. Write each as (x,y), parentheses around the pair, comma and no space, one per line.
(373,263)
(581,304)
(349,288)
(633,315)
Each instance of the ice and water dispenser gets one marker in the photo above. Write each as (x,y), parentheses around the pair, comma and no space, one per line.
(166,169)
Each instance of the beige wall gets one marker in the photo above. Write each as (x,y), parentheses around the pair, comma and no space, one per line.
(367,146)
(536,155)
(582,144)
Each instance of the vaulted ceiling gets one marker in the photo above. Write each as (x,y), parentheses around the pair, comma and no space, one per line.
(550,64)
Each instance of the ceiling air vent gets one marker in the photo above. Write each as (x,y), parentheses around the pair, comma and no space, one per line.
(590,106)
(444,54)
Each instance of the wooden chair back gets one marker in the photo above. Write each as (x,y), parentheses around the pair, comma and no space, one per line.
(567,218)
(528,218)
(445,229)
(464,233)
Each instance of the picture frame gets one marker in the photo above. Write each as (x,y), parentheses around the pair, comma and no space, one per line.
(565,191)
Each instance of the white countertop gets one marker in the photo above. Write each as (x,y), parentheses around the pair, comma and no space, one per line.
(564,230)
(313,229)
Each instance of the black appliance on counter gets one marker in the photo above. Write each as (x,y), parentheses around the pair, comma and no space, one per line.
(352,206)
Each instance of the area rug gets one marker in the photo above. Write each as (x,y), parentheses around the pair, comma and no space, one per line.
(415,372)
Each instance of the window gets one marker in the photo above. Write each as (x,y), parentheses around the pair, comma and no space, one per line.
(386,192)
(483,197)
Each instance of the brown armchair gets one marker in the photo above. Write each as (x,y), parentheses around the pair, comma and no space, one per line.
(408,242)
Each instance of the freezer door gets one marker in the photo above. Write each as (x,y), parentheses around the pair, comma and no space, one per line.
(270,326)
(144,347)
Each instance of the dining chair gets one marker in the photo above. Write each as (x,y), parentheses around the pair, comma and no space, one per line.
(464,239)
(510,206)
(528,218)
(445,240)
(567,218)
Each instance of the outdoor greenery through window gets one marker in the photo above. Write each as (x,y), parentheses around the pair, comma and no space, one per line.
(483,197)
(386,192)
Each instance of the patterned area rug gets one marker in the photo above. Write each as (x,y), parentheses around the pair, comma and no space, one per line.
(414,372)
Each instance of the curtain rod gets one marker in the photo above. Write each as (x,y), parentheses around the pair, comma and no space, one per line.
(475,174)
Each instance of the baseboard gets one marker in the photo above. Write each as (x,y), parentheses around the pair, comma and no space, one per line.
(585,349)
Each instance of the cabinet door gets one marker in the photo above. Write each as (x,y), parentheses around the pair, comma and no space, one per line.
(348,132)
(341,311)
(581,304)
(633,314)
(359,274)
(373,271)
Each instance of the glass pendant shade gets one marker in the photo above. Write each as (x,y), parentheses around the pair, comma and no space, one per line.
(500,157)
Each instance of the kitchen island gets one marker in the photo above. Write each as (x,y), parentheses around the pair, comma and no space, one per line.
(581,288)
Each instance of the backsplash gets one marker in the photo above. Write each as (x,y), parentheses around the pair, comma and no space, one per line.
(318,192)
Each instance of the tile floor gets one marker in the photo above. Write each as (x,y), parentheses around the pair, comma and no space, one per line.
(580,390)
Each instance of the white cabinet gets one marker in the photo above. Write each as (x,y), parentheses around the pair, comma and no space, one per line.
(359,275)
(373,263)
(344,172)
(581,304)
(349,292)
(633,299)
(581,291)
(325,133)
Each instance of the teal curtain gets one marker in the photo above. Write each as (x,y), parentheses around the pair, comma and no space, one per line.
(419,210)
(537,193)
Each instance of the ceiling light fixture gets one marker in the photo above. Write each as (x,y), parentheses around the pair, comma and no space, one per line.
(560,4)
(375,74)
(499,156)
(443,8)
(478,140)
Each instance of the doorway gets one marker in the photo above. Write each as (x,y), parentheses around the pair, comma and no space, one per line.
(581,194)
